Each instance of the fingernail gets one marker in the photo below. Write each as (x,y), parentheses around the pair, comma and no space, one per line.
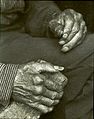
(65,35)
(59,68)
(61,42)
(65,49)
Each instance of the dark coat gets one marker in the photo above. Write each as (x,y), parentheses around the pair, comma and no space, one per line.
(77,100)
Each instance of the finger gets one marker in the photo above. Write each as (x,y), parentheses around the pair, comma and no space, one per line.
(52,94)
(34,104)
(32,101)
(57,78)
(22,96)
(40,107)
(69,22)
(31,87)
(48,102)
(84,34)
(53,86)
(44,100)
(74,31)
(60,68)
(76,27)
(39,67)
(77,20)
(37,90)
(75,39)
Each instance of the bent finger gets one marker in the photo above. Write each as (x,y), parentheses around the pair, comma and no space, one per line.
(69,22)
(42,108)
(68,46)
(48,102)
(52,94)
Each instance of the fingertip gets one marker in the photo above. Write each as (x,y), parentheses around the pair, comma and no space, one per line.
(50,109)
(59,68)
(61,42)
(65,49)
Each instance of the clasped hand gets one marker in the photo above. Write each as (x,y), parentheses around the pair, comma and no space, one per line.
(39,85)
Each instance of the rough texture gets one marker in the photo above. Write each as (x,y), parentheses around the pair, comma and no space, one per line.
(19,111)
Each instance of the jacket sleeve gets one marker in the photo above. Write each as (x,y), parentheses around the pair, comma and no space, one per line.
(7,76)
(38,16)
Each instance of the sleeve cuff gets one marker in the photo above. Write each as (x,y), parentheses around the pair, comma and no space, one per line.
(7,75)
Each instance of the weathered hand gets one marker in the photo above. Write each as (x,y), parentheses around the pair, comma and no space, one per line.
(70,27)
(34,87)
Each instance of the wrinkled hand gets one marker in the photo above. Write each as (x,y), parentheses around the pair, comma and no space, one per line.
(39,85)
(70,27)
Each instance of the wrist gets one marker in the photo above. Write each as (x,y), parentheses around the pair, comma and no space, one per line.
(19,111)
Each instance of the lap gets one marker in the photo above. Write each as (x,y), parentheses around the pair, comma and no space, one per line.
(19,48)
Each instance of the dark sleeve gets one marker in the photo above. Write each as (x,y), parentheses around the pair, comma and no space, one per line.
(7,76)
(38,16)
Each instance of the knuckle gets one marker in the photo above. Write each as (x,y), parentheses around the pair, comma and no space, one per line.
(51,102)
(79,15)
(37,98)
(70,20)
(37,80)
(46,110)
(43,108)
(71,10)
(39,89)
(67,30)
(75,29)
(60,95)
(54,95)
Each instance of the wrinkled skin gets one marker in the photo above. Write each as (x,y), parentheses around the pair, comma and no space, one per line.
(70,28)
(38,87)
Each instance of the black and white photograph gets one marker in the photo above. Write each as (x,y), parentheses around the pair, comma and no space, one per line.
(46,59)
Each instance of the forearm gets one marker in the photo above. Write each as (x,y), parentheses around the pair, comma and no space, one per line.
(7,76)
(39,16)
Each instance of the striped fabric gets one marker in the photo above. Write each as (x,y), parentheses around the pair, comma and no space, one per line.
(7,76)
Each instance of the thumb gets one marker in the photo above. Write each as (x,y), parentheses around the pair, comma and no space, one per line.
(59,68)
